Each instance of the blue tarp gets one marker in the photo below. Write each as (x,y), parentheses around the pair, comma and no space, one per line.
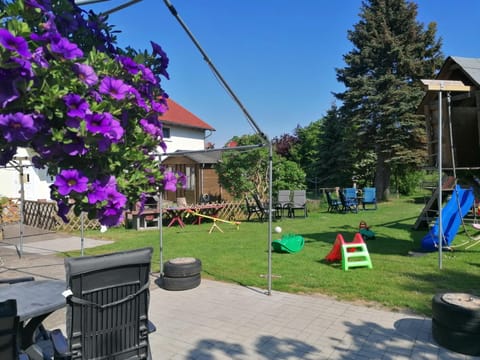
(451,219)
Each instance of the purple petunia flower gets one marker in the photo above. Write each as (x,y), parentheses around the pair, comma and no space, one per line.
(76,147)
(66,49)
(157,50)
(151,128)
(17,127)
(128,64)
(99,123)
(63,210)
(116,88)
(8,87)
(110,216)
(76,105)
(14,43)
(38,58)
(169,181)
(71,180)
(86,73)
(6,154)
(159,107)
(147,74)
(39,5)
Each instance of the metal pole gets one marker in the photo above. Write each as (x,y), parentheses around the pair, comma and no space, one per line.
(440,190)
(82,232)
(22,202)
(269,244)
(160,228)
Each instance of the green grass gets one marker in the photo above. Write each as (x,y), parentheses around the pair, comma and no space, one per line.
(397,280)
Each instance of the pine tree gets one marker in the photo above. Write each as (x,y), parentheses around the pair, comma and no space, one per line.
(392,52)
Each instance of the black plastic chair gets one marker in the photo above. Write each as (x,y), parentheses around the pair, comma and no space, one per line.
(333,204)
(9,330)
(107,311)
(252,209)
(262,209)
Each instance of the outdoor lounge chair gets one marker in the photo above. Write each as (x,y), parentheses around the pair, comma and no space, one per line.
(283,201)
(348,204)
(369,197)
(107,310)
(9,330)
(262,208)
(252,209)
(333,204)
(299,202)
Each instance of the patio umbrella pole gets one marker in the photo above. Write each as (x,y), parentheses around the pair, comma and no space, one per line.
(160,228)
(440,228)
(249,118)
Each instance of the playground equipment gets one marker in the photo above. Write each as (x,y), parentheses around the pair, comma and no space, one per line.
(289,243)
(214,225)
(452,214)
(351,254)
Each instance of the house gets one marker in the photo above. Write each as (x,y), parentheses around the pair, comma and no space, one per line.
(460,112)
(182,131)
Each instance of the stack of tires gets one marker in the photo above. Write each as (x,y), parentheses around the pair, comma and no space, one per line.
(456,322)
(181,274)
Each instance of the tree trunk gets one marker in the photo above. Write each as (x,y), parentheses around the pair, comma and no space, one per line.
(382,179)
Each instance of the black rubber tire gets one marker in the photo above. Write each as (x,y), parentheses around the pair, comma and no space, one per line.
(462,315)
(181,283)
(461,342)
(182,267)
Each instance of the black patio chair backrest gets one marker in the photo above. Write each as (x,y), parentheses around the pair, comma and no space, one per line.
(8,330)
(107,315)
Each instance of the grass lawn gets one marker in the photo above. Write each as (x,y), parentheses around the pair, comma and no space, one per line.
(397,280)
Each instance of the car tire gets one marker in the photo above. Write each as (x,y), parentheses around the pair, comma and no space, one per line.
(180,283)
(457,311)
(458,341)
(182,267)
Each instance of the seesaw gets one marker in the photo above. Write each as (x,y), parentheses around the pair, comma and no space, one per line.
(214,226)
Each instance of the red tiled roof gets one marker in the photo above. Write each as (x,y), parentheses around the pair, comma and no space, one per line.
(178,115)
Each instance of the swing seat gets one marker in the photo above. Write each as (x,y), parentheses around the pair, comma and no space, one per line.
(288,244)
(476,226)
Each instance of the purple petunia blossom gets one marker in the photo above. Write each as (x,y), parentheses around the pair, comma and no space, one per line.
(159,107)
(153,129)
(169,181)
(85,73)
(140,101)
(75,148)
(17,127)
(76,105)
(99,123)
(71,180)
(128,64)
(6,154)
(110,216)
(147,74)
(14,43)
(66,49)
(63,210)
(116,88)
(8,87)
(157,50)
(38,58)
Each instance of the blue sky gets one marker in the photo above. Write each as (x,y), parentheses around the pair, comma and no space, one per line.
(278,56)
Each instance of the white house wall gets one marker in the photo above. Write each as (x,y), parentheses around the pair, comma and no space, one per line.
(182,138)
(36,182)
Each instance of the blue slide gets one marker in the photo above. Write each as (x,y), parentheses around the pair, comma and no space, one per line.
(451,219)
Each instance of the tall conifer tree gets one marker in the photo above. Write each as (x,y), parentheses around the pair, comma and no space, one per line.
(392,52)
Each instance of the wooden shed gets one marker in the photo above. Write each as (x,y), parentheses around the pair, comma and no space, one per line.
(202,178)
(460,113)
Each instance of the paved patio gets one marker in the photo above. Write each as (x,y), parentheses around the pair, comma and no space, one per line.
(227,321)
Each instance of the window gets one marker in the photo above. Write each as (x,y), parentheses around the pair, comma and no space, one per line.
(166,132)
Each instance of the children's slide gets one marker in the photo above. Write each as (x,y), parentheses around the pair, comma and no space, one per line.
(336,253)
(452,216)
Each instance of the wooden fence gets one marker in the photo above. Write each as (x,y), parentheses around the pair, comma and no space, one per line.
(43,215)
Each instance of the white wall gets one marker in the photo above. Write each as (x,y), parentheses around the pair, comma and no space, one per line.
(36,181)
(182,138)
